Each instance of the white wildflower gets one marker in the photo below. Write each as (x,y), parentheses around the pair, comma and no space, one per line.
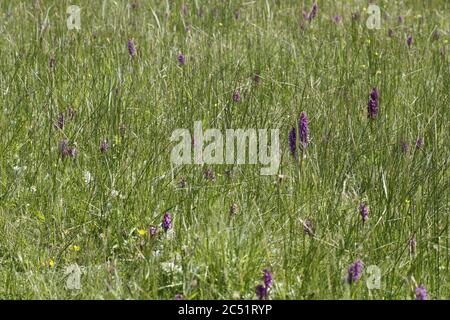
(87,177)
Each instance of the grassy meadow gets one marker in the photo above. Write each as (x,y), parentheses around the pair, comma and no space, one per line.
(85,168)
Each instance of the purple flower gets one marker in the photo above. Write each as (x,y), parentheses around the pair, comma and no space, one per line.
(354,271)
(400,19)
(409,40)
(261,292)
(405,147)
(237,14)
(181,59)
(390,33)
(419,143)
(209,174)
(131,48)
(65,150)
(267,278)
(372,106)
(374,94)
(167,221)
(152,231)
(104,146)
(72,152)
(421,293)
(63,146)
(179,296)
(337,18)
(305,15)
(293,142)
(303,130)
(237,96)
(60,122)
(313,12)
(364,212)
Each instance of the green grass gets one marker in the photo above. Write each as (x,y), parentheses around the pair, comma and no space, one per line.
(324,69)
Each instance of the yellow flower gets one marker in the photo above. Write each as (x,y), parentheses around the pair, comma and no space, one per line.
(51,263)
(141,232)
(75,248)
(445,41)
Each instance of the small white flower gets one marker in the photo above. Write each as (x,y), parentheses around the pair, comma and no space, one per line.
(156,253)
(16,170)
(114,193)
(87,177)
(171,268)
(33,189)
(170,234)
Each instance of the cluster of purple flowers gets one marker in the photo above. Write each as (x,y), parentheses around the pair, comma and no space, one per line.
(293,142)
(181,59)
(262,290)
(409,40)
(405,146)
(237,95)
(419,143)
(303,135)
(104,146)
(364,212)
(312,14)
(166,222)
(152,231)
(355,271)
(131,48)
(66,150)
(61,120)
(421,293)
(210,175)
(372,107)
(303,130)
(337,19)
